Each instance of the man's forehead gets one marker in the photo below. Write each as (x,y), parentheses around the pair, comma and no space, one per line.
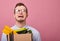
(20,7)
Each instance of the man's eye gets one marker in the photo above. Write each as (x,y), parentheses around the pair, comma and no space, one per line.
(18,10)
(23,10)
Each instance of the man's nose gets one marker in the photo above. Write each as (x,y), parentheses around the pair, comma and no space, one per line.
(20,12)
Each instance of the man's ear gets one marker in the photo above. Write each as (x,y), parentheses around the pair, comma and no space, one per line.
(27,15)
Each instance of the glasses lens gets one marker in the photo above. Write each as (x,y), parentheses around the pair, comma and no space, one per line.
(21,10)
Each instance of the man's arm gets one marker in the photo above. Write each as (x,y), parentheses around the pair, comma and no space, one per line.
(38,37)
(4,37)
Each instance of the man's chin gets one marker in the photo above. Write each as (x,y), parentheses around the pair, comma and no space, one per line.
(20,20)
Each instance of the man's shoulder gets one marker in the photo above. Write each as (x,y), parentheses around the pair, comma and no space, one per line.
(33,29)
(14,27)
(28,27)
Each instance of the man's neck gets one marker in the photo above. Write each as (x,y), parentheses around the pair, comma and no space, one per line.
(22,24)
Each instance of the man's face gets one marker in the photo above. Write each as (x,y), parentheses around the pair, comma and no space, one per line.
(20,13)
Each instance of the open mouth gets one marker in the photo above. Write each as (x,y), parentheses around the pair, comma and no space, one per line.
(20,16)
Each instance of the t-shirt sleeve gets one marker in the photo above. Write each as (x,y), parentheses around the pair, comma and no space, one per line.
(4,37)
(38,37)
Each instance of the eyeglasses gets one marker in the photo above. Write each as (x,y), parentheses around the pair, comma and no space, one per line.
(17,11)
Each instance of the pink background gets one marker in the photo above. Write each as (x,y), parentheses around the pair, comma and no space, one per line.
(44,15)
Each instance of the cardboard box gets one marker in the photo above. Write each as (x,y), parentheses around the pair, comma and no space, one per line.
(20,37)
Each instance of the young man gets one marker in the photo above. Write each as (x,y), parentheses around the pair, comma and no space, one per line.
(20,15)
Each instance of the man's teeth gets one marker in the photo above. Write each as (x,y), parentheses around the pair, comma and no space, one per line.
(20,16)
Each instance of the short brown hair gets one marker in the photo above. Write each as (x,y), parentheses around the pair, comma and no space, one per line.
(20,4)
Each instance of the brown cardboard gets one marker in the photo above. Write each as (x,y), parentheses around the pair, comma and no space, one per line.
(21,37)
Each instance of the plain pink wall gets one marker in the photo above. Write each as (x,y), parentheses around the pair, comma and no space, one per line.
(44,15)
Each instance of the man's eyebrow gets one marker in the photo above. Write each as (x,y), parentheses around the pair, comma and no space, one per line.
(20,9)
